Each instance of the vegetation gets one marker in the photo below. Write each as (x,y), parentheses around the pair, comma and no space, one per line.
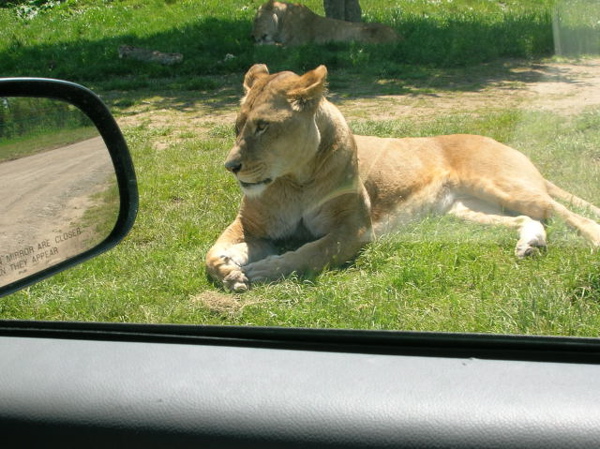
(79,39)
(32,125)
(436,275)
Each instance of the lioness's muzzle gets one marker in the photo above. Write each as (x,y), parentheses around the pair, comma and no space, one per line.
(233,166)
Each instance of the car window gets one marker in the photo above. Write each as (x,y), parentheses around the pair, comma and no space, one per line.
(524,73)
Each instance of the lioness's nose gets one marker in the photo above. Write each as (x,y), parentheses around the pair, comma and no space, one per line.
(233,166)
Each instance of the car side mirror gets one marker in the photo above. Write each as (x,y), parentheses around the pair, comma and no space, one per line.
(68,189)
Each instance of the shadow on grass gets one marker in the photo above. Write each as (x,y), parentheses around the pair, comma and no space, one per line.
(456,54)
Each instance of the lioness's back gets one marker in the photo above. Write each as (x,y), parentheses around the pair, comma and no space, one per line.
(295,24)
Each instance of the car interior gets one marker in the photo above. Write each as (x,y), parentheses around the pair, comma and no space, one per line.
(76,383)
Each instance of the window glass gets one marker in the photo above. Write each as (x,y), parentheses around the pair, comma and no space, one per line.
(523,72)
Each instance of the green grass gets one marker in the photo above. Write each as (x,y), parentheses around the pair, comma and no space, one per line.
(46,140)
(78,40)
(439,274)
(32,125)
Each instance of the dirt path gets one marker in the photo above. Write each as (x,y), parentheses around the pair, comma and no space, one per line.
(567,88)
(45,197)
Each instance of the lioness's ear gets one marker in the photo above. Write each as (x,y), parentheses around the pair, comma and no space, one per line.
(309,89)
(255,72)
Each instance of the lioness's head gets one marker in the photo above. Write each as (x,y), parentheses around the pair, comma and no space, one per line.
(276,131)
(265,28)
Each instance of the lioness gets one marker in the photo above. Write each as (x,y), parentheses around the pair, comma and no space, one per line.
(295,24)
(307,178)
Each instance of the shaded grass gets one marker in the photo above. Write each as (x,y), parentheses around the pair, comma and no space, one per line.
(79,40)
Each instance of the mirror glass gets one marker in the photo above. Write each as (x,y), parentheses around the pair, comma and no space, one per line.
(59,192)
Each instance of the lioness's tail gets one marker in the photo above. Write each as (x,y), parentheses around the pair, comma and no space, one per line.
(557,192)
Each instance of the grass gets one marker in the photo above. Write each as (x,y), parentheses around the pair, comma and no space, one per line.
(44,141)
(78,40)
(33,125)
(436,275)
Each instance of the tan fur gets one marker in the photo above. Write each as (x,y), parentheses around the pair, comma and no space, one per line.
(295,24)
(306,178)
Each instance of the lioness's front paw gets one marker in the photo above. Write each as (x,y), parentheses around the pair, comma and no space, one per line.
(267,269)
(236,281)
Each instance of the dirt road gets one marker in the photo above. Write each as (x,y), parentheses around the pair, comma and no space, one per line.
(565,87)
(44,197)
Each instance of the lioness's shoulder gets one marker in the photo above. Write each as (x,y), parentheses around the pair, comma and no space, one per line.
(295,13)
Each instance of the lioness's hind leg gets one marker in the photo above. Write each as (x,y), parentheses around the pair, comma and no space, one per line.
(542,205)
(588,228)
(532,234)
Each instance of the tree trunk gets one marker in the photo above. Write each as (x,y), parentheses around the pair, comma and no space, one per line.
(348,10)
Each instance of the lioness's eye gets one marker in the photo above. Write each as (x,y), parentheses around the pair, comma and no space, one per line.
(239,125)
(261,125)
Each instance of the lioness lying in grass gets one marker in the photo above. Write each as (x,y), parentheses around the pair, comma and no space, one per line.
(307,178)
(295,24)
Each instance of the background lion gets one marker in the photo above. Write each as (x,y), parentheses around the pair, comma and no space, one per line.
(308,179)
(295,24)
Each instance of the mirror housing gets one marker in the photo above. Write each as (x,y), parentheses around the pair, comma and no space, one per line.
(94,108)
